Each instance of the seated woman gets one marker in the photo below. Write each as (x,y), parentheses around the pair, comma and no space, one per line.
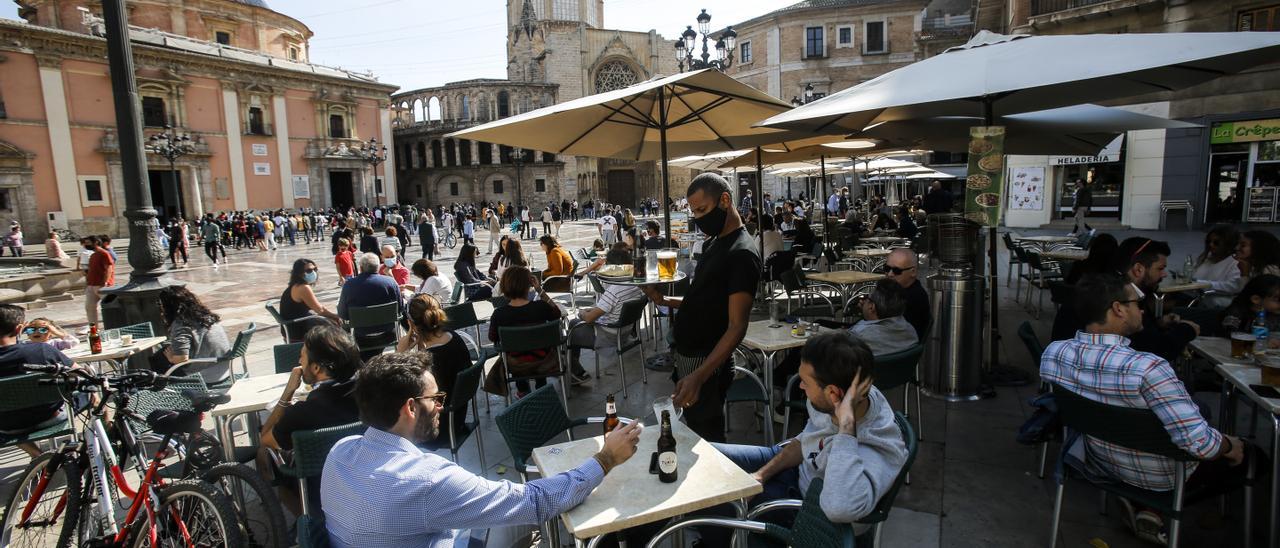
(559,263)
(194,333)
(520,311)
(772,238)
(449,353)
(1102,252)
(299,305)
(1260,296)
(477,286)
(1217,267)
(497,257)
(906,225)
(433,283)
(328,361)
(804,238)
(43,330)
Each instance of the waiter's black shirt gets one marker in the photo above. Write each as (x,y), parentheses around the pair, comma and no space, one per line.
(918,313)
(729,264)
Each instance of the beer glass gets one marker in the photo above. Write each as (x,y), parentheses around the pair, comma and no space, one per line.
(666,264)
(1242,344)
(1271,370)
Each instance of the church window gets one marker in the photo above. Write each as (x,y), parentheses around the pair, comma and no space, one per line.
(466,107)
(614,75)
(565,10)
(504,104)
(153,113)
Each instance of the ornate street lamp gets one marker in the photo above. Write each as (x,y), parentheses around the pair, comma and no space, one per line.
(373,155)
(808,96)
(724,46)
(517,157)
(171,145)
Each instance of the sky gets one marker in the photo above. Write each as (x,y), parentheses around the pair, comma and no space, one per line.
(424,43)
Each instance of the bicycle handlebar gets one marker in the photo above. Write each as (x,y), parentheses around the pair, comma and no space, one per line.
(81,379)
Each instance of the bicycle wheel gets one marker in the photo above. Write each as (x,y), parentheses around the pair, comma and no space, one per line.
(450,240)
(192,514)
(55,511)
(258,509)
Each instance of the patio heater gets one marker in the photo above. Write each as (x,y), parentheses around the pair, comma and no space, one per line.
(952,368)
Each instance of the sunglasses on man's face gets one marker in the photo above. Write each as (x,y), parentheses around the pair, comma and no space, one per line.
(34,330)
(897,271)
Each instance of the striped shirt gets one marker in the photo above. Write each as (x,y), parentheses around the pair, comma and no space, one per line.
(381,491)
(611,301)
(1103,368)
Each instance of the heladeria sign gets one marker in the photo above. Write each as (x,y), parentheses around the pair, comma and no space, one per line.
(1246,131)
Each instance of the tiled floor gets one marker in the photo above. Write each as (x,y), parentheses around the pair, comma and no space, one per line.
(972,484)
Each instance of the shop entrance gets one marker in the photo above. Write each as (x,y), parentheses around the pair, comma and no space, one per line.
(1225,200)
(622,187)
(1107,185)
(342,193)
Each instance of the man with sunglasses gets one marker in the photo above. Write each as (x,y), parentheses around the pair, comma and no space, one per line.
(383,489)
(13,355)
(1099,363)
(903,267)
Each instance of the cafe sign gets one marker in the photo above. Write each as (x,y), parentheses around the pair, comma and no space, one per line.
(1076,160)
(1245,132)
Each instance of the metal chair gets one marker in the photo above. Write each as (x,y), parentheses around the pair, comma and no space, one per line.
(545,336)
(24,391)
(1014,259)
(811,528)
(239,349)
(287,356)
(462,316)
(628,320)
(310,449)
(1042,273)
(384,316)
(749,388)
(463,396)
(142,330)
(891,370)
(1139,430)
(283,323)
(796,287)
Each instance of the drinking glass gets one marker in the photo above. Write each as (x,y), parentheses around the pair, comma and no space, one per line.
(667,264)
(112,337)
(665,403)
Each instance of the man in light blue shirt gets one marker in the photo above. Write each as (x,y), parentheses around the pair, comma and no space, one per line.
(382,490)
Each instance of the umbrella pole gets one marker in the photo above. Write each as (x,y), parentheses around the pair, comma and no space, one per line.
(988,117)
(826,234)
(760,199)
(666,176)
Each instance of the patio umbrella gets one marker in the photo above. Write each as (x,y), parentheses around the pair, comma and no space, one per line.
(994,75)
(706,162)
(686,114)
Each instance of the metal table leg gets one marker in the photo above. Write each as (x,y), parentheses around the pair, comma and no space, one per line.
(223,425)
(1275,481)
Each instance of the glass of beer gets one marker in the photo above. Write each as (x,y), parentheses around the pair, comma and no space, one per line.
(1270,370)
(1242,345)
(666,264)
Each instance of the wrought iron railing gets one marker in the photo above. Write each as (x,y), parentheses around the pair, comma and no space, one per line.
(1042,7)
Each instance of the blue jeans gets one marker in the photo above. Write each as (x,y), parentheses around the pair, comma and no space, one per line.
(783,485)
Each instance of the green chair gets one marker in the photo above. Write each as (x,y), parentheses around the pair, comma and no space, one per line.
(1139,430)
(310,448)
(811,528)
(462,316)
(287,356)
(457,294)
(283,323)
(545,336)
(384,316)
(23,391)
(138,330)
(628,322)
(902,369)
(748,388)
(462,396)
(239,349)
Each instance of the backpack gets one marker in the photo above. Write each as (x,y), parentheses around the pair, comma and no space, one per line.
(1043,425)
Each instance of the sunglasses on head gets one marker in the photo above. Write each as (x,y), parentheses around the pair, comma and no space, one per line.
(34,330)
(895,270)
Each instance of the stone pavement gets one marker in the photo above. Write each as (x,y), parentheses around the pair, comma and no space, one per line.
(972,484)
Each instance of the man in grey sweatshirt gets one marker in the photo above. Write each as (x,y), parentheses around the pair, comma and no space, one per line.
(851,440)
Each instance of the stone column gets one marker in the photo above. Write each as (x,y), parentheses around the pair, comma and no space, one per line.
(475,152)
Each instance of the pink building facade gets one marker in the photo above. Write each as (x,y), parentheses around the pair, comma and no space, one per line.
(270,130)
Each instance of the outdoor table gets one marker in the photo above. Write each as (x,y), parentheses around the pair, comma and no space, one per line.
(769,341)
(642,282)
(1066,254)
(883,241)
(1175,287)
(631,496)
(113,353)
(1239,374)
(845,279)
(249,395)
(1043,242)
(868,253)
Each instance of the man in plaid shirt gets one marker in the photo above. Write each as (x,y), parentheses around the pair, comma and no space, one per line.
(1099,364)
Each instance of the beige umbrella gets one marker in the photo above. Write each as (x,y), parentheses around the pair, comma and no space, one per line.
(706,161)
(686,114)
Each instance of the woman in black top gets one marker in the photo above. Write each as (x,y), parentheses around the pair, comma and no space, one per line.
(520,311)
(369,242)
(449,353)
(1102,251)
(464,269)
(804,237)
(299,302)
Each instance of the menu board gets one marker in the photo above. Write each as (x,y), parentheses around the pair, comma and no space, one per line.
(1026,188)
(1262,205)
(984,185)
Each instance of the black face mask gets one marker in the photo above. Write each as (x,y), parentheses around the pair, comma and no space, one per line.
(712,223)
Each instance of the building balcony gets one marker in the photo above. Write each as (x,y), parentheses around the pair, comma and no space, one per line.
(263,129)
(1054,11)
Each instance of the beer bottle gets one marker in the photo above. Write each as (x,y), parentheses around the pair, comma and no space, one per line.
(95,340)
(610,415)
(667,464)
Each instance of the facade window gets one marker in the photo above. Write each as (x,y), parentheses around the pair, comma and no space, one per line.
(614,75)
(222,37)
(504,104)
(486,154)
(422,155)
(257,125)
(548,157)
(464,152)
(450,153)
(497,186)
(813,46)
(874,34)
(453,189)
(1259,19)
(153,112)
(337,126)
(436,154)
(294,53)
(565,10)
(93,191)
(6,199)
(539,185)
(466,107)
(744,53)
(844,37)
(504,154)
(419,191)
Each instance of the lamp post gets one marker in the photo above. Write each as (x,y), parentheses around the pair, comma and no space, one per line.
(135,301)
(808,96)
(723,46)
(373,155)
(517,157)
(171,145)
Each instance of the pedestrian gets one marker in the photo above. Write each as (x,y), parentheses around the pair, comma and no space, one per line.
(102,273)
(178,241)
(1083,201)
(547,218)
(14,240)
(557,218)
(427,237)
(607,227)
(524,222)
(211,232)
(469,230)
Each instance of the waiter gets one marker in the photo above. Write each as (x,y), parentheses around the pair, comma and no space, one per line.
(712,318)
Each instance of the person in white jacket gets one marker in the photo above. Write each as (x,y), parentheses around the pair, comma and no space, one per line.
(1218,268)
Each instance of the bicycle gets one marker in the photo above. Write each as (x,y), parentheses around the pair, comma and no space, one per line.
(70,497)
(449,239)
